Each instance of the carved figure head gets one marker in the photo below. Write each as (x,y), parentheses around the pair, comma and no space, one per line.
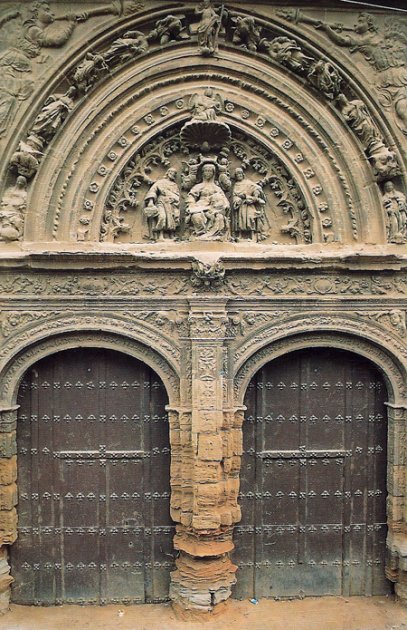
(24,163)
(21,182)
(385,164)
(365,23)
(42,12)
(208,172)
(396,318)
(71,91)
(172,174)
(388,186)
(239,174)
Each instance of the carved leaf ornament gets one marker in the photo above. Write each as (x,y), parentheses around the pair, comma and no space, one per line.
(208,140)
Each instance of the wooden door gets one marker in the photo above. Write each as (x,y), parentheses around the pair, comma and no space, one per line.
(313,479)
(93,476)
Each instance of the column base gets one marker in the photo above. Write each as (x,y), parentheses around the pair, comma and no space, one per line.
(396,564)
(200,585)
(5,581)
(184,614)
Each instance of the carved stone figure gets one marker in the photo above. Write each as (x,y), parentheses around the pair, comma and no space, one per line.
(206,276)
(208,27)
(397,319)
(112,226)
(223,168)
(365,37)
(383,160)
(204,131)
(384,50)
(162,206)
(384,163)
(249,206)
(287,52)
(25,160)
(208,207)
(325,78)
(12,209)
(360,121)
(87,73)
(14,66)
(124,48)
(169,28)
(53,114)
(189,173)
(395,206)
(206,106)
(42,30)
(246,33)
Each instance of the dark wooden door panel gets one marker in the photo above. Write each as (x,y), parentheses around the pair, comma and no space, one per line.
(94,457)
(313,481)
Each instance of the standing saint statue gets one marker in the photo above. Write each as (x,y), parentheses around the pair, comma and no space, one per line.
(208,207)
(12,210)
(249,205)
(162,206)
(53,114)
(395,206)
(208,27)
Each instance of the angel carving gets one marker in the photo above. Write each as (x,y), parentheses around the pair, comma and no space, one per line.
(385,50)
(206,106)
(24,33)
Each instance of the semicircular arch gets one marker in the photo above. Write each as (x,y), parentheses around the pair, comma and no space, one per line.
(382,356)
(14,369)
(323,124)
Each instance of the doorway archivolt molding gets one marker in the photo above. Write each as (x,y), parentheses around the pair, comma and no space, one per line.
(136,92)
(63,333)
(316,330)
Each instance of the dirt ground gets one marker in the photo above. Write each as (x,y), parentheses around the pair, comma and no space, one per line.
(330,613)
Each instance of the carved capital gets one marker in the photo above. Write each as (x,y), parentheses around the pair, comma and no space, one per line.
(8,418)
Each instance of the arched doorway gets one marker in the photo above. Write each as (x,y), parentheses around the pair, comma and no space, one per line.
(93,469)
(313,478)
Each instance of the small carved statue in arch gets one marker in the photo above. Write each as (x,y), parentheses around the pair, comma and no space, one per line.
(208,208)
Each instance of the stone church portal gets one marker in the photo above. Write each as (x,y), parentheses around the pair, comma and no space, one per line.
(203,333)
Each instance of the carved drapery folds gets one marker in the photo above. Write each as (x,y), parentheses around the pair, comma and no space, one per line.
(205,182)
(212,29)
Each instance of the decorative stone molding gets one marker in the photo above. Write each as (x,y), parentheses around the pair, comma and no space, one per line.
(390,352)
(304,65)
(26,349)
(376,349)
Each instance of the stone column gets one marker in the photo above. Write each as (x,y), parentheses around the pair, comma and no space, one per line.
(396,565)
(8,497)
(205,573)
